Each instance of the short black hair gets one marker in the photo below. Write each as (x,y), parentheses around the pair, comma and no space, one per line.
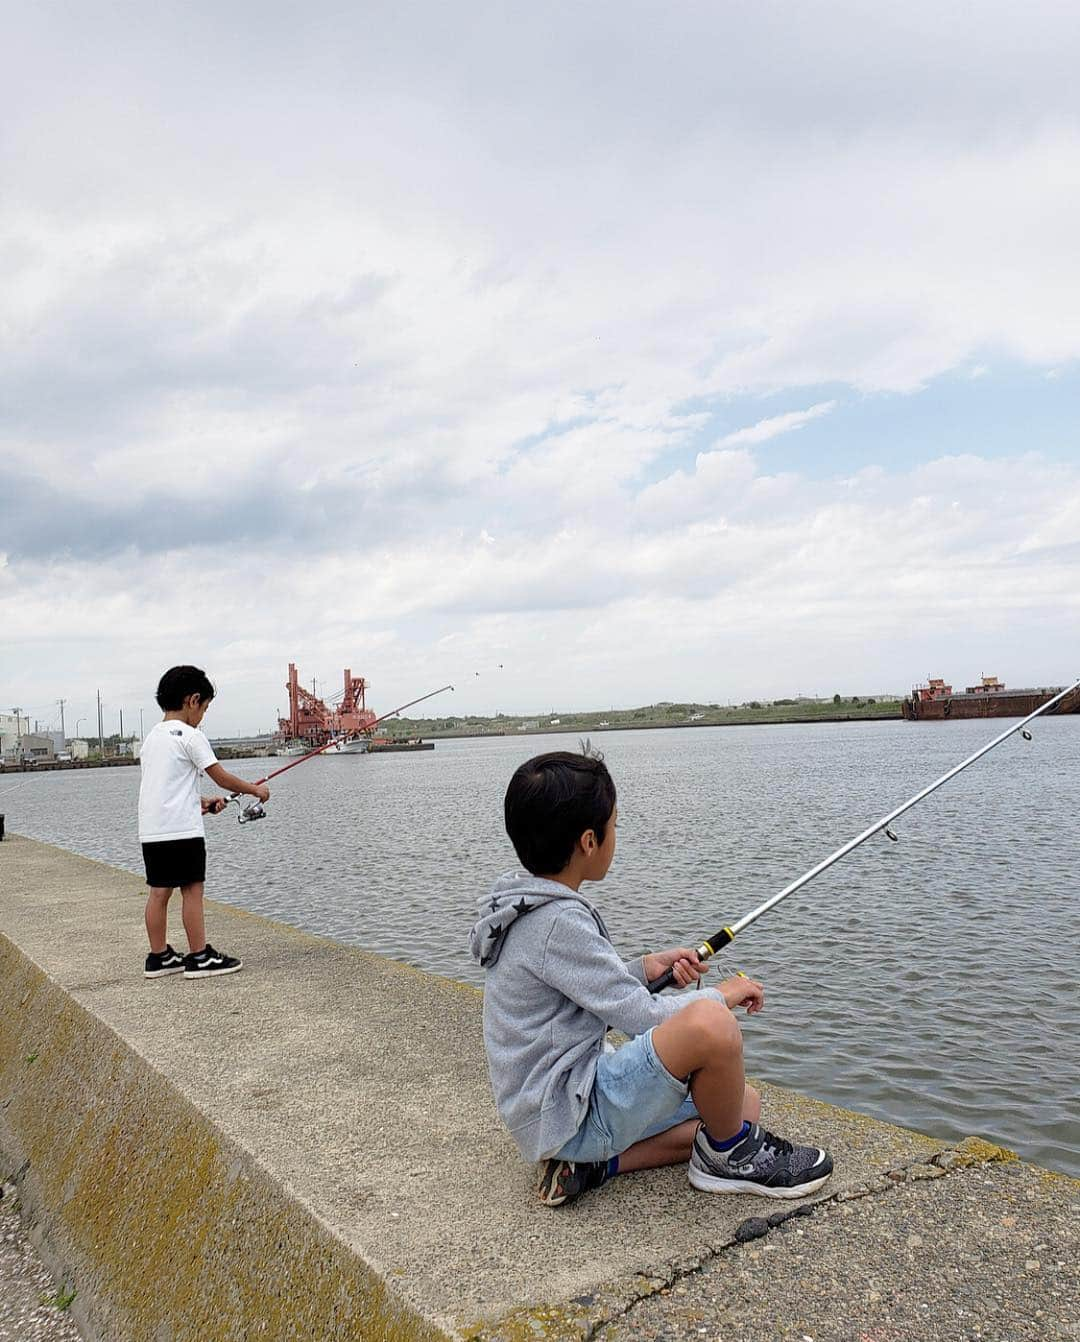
(550,803)
(180,681)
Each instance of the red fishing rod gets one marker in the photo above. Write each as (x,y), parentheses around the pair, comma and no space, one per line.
(255,810)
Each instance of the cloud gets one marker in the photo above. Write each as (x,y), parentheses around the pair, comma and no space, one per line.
(765,429)
(741,585)
(345,339)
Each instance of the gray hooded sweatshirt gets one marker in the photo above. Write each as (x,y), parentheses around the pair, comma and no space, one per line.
(554,986)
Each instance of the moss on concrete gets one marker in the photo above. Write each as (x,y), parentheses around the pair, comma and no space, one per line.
(163,1228)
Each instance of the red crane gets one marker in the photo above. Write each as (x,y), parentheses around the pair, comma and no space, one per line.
(311,719)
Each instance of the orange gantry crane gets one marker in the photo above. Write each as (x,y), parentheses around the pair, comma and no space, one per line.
(311,719)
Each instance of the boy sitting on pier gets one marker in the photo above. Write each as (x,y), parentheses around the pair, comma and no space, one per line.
(555,985)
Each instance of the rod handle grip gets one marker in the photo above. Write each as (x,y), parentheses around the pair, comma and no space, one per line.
(705,950)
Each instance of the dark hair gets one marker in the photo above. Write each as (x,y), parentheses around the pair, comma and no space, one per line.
(550,803)
(180,681)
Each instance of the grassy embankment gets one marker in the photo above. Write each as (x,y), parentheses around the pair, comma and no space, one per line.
(652,715)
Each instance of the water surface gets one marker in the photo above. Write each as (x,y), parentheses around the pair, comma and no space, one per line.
(932,982)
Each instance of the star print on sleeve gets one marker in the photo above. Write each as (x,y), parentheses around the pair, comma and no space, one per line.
(522,906)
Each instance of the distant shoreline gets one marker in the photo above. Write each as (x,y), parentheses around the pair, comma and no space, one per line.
(570,728)
(745,718)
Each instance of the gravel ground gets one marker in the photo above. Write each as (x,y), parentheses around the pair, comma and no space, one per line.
(25,1285)
(988,1254)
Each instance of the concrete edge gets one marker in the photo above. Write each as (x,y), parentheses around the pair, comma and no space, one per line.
(164,1228)
(585,1318)
(74,1092)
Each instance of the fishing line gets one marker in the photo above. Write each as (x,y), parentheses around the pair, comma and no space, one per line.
(718,940)
(255,810)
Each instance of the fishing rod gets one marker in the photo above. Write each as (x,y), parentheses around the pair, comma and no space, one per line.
(728,934)
(254,810)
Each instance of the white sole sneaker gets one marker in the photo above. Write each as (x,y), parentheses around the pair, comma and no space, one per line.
(161,973)
(211,973)
(712,1183)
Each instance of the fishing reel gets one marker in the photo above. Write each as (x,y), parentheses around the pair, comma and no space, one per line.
(249,811)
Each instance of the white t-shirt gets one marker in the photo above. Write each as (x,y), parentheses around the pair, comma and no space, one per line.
(172,757)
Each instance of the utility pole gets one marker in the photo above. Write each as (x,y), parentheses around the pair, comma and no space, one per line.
(63,733)
(100,728)
(18,734)
(140,725)
(121,729)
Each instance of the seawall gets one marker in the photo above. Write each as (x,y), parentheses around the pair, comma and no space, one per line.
(308,1149)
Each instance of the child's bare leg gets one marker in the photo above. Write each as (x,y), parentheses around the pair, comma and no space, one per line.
(704,1042)
(194,923)
(157,917)
(672,1147)
(666,1148)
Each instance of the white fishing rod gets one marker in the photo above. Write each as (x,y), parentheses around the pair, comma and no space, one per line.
(728,934)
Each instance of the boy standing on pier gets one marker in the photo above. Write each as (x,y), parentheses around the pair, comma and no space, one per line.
(171,829)
(554,987)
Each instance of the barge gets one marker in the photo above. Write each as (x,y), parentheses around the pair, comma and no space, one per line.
(937,702)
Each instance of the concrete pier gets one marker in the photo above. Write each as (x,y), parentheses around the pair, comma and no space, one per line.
(309,1150)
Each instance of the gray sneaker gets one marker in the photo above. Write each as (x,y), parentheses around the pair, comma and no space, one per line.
(760,1163)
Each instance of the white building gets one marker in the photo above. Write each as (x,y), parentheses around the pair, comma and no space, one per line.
(11,727)
(18,742)
(28,746)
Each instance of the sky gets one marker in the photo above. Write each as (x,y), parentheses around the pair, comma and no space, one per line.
(578,355)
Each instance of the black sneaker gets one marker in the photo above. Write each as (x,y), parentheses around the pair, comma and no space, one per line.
(209,963)
(759,1163)
(561,1181)
(160,963)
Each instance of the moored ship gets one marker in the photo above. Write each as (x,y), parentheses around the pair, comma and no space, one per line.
(343,726)
(357,745)
(937,701)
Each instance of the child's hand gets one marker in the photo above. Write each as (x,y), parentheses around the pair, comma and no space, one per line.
(741,991)
(683,962)
(213,805)
(262,792)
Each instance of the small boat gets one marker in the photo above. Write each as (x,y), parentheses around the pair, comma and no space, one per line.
(357,745)
(294,748)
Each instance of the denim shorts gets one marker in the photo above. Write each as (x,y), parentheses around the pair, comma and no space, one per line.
(634,1096)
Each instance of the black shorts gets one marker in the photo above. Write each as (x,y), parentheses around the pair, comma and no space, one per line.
(174,862)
